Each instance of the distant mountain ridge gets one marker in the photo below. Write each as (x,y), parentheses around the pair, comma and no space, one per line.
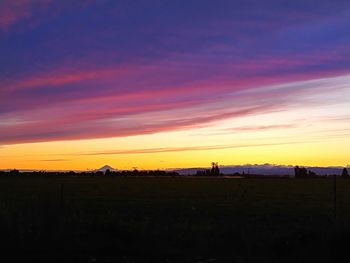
(264,169)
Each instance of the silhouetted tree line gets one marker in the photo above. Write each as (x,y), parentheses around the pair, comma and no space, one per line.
(214,171)
(107,173)
(140,173)
(302,172)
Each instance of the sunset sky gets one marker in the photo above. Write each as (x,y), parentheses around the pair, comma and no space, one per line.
(157,84)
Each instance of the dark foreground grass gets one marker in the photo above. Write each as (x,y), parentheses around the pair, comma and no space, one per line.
(172,220)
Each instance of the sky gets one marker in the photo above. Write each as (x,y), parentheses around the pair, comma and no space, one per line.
(166,84)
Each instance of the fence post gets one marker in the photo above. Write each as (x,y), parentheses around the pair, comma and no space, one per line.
(61,197)
(335,196)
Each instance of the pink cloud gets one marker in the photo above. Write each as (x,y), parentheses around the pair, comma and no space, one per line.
(13,11)
(30,13)
(145,112)
(64,76)
(124,100)
(107,124)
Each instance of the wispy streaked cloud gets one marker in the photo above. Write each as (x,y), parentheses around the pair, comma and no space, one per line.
(262,127)
(89,70)
(256,128)
(56,160)
(184,149)
(159,112)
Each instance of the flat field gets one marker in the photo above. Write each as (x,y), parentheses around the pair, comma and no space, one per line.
(173,219)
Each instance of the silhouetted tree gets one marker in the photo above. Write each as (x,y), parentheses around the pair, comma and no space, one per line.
(200,173)
(215,168)
(108,172)
(300,172)
(303,173)
(14,172)
(311,174)
(345,173)
(99,173)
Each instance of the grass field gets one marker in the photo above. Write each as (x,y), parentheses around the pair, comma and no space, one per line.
(173,219)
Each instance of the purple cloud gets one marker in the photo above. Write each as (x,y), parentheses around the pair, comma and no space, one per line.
(104,69)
